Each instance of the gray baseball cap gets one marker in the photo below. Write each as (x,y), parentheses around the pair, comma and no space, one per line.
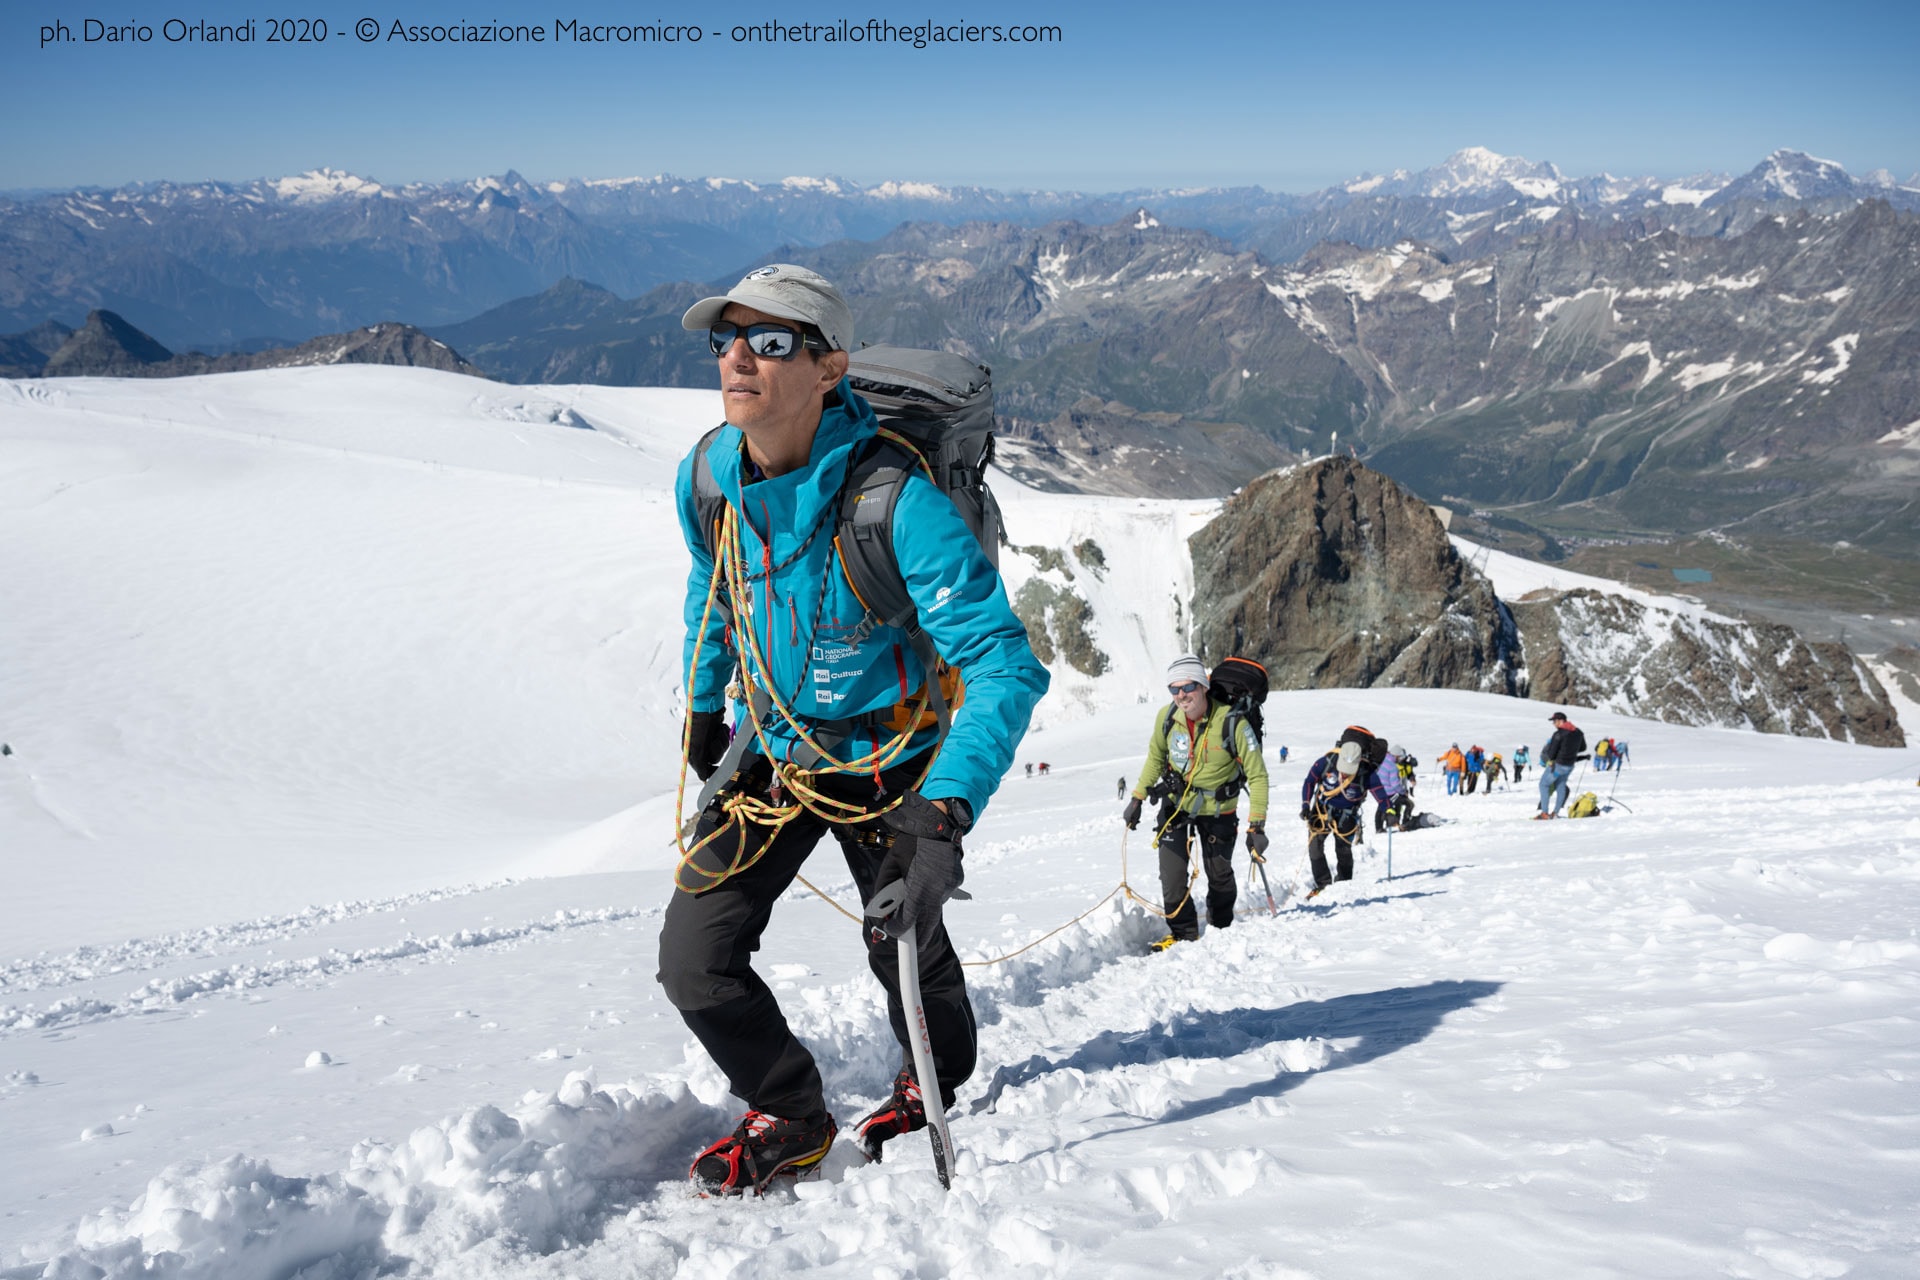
(784,290)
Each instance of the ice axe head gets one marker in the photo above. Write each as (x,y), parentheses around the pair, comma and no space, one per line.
(887,900)
(881,907)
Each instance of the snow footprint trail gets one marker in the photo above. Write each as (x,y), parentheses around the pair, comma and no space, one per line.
(165,993)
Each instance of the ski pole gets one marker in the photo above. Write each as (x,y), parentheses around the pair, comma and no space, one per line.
(1389,853)
(884,903)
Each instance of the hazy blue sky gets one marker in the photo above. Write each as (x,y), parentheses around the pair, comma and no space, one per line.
(1291,97)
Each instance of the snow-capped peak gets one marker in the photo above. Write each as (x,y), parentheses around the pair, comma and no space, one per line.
(326,184)
(893,190)
(1794,175)
(1142,220)
(1790,172)
(1469,171)
(1478,170)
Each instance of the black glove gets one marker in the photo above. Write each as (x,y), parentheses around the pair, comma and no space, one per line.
(926,855)
(1131,814)
(1257,841)
(707,741)
(1306,813)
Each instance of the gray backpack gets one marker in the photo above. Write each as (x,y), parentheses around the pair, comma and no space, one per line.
(941,405)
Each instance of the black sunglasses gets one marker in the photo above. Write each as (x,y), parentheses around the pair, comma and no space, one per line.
(773,341)
(1191,686)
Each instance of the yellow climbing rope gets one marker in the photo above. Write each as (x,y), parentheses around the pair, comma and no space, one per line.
(741,811)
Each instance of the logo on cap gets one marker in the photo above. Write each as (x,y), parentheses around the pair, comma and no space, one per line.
(761,273)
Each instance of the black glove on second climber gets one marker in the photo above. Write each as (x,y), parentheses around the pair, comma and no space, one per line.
(1257,841)
(1131,814)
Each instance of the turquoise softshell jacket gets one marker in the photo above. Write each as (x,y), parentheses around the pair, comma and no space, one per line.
(803,614)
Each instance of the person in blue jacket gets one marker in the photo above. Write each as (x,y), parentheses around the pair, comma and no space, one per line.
(831,721)
(1330,799)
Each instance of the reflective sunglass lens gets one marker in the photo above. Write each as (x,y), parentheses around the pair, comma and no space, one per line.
(772,341)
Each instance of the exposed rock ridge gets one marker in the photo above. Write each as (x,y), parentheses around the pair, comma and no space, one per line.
(1334,576)
(1589,648)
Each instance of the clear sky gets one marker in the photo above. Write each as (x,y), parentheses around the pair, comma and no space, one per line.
(1287,96)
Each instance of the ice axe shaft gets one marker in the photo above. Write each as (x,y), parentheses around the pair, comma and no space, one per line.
(1272,906)
(919,1041)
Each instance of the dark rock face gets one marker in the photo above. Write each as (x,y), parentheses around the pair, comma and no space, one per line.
(1591,649)
(1333,576)
(1903,662)
(106,347)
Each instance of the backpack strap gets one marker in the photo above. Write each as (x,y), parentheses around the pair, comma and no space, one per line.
(875,481)
(710,507)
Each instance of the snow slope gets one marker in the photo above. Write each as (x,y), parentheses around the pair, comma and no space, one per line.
(335,839)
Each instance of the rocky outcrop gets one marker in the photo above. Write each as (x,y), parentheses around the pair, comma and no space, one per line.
(1058,622)
(1333,576)
(106,346)
(1591,649)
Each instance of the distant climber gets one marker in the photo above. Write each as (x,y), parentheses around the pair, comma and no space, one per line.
(1200,755)
(1330,799)
(1564,749)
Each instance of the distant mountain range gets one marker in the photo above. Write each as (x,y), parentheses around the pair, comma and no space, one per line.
(1574,371)
(1731,360)
(238,266)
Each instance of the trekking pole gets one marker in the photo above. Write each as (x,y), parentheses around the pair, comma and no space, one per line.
(1615,787)
(1389,853)
(884,903)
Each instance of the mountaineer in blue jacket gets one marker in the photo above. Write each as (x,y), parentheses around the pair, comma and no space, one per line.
(832,732)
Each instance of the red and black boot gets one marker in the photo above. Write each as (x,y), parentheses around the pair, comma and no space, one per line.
(761,1149)
(904,1112)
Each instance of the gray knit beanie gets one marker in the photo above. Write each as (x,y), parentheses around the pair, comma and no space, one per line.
(1186,667)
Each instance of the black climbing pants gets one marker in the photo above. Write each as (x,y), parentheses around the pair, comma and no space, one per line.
(1396,810)
(708,940)
(1342,825)
(1216,834)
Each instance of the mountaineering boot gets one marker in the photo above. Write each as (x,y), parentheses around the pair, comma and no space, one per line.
(904,1112)
(1164,944)
(761,1149)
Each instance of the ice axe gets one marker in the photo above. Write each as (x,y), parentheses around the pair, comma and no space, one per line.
(1260,865)
(884,904)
